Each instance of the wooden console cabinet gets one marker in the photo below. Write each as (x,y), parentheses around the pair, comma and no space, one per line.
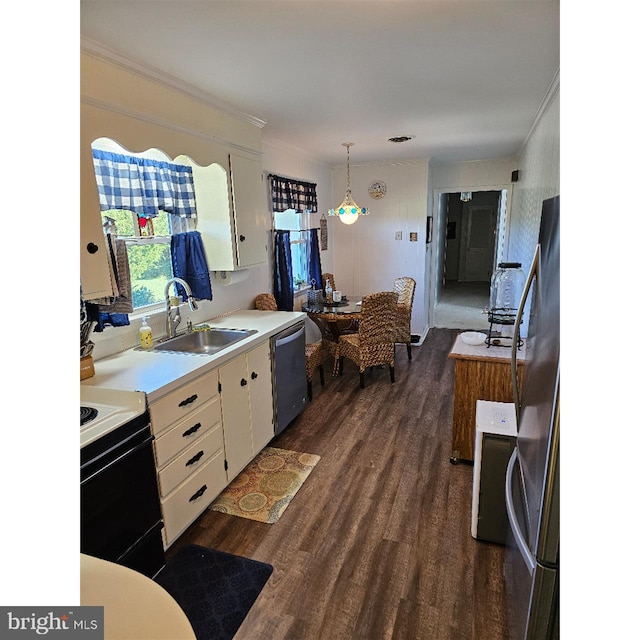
(481,373)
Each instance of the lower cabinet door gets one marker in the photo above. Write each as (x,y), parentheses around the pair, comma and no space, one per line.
(236,415)
(187,501)
(261,396)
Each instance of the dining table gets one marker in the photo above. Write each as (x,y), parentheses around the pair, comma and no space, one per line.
(334,319)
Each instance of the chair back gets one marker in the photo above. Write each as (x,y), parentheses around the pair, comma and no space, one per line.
(378,318)
(405,287)
(266,302)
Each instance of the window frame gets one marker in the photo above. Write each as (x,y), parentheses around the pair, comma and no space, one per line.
(138,240)
(302,230)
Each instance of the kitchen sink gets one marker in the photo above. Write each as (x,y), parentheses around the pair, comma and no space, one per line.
(203,342)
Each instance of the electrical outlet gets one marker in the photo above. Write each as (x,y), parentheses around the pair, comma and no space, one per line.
(398,235)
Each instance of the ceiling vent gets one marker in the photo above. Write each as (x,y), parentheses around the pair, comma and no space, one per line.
(399,139)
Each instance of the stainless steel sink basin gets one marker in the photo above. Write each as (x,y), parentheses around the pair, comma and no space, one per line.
(203,342)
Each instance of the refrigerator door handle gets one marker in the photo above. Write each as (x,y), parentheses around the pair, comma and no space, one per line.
(526,554)
(533,272)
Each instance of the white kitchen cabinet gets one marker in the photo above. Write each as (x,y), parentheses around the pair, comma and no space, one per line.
(261,396)
(94,268)
(247,407)
(249,210)
(189,452)
(232,210)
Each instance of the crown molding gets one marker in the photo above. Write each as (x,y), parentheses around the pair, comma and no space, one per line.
(552,91)
(103,52)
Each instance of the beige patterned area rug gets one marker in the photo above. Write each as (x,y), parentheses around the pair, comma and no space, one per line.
(264,489)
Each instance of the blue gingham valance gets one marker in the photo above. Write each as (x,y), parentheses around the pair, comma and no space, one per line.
(143,186)
(287,193)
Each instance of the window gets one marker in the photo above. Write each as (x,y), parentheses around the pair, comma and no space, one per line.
(292,202)
(149,254)
(144,198)
(297,223)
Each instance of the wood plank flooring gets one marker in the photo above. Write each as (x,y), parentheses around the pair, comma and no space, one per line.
(377,542)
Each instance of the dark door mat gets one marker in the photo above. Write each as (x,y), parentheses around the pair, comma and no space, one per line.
(215,589)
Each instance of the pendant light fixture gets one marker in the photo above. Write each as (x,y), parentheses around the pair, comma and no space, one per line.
(348,211)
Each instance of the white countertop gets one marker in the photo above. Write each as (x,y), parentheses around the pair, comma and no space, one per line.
(156,373)
(463,351)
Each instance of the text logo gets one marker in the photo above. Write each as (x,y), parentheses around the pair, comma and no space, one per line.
(21,623)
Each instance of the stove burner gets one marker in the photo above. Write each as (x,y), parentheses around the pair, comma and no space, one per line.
(87,414)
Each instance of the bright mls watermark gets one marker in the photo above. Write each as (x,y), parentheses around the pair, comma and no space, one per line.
(56,622)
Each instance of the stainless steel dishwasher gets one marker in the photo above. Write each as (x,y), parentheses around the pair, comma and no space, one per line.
(289,375)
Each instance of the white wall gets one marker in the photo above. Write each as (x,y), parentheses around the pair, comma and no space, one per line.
(539,166)
(366,256)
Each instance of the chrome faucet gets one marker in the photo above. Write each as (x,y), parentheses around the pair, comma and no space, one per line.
(173,313)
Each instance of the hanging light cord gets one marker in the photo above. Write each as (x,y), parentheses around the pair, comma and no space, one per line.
(348,144)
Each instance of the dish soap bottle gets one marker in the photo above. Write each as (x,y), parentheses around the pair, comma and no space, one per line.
(146,339)
(328,291)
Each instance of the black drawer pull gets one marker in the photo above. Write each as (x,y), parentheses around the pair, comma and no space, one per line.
(242,238)
(254,375)
(243,383)
(189,400)
(198,493)
(92,247)
(190,432)
(194,459)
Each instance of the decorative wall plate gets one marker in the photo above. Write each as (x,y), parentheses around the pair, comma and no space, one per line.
(377,189)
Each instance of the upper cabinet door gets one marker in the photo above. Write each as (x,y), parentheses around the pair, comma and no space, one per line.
(250,211)
(94,267)
(232,213)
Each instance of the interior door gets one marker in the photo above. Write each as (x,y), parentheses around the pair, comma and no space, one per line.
(477,259)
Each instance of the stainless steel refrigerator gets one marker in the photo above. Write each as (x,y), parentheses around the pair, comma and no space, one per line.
(532,488)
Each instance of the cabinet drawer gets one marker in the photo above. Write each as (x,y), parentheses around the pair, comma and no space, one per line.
(193,458)
(182,401)
(194,426)
(187,501)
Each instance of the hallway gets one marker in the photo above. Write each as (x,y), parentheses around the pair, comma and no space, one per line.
(461,306)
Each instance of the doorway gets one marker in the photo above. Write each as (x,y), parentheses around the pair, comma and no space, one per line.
(470,242)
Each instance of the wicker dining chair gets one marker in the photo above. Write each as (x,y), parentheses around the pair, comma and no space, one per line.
(405,287)
(344,326)
(373,345)
(266,302)
(314,355)
(329,341)
(313,352)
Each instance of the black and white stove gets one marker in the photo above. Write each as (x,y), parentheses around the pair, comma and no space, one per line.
(103,410)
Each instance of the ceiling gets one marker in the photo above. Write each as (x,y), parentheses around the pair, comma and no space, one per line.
(466,78)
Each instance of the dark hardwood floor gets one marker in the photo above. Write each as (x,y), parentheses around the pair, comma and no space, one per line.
(377,542)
